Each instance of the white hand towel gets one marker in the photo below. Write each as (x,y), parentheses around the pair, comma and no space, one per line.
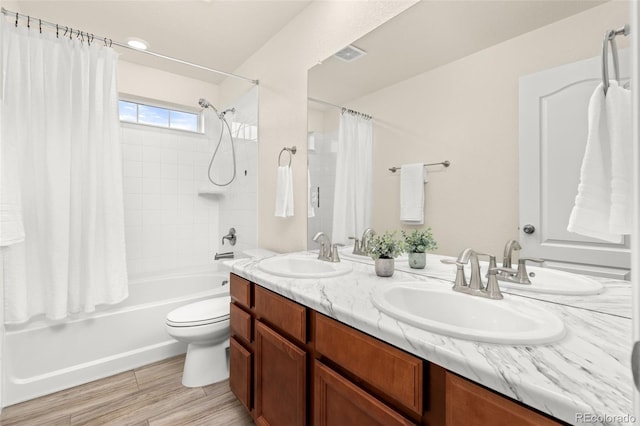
(592,209)
(412,179)
(284,192)
(618,108)
(310,210)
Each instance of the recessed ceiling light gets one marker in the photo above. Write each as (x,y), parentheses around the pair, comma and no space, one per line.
(137,43)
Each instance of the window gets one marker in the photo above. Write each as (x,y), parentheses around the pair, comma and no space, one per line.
(151,115)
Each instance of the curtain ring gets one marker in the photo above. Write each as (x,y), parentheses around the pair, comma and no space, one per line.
(16,19)
(110,42)
(29,22)
(40,25)
(57,31)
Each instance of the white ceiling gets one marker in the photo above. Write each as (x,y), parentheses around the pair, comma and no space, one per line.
(428,35)
(213,33)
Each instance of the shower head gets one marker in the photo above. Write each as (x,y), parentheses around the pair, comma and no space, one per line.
(206,104)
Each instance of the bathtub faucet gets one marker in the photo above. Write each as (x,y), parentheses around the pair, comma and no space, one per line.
(225,255)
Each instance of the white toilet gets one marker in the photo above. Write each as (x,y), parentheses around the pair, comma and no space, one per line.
(204,326)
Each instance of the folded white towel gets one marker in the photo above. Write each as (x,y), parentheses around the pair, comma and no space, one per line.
(619,125)
(412,179)
(593,205)
(310,210)
(284,192)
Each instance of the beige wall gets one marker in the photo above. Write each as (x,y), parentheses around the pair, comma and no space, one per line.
(467,112)
(152,83)
(281,65)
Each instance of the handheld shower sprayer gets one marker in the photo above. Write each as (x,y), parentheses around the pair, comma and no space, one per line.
(221,115)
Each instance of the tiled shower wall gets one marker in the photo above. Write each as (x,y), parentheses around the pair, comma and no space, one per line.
(169,225)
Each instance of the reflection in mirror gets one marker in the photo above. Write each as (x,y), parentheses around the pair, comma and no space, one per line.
(457,97)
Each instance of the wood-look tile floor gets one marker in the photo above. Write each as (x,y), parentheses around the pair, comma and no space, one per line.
(152,395)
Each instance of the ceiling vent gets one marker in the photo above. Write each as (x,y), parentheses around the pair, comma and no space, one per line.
(350,53)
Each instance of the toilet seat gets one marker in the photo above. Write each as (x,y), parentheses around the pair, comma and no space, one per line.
(205,312)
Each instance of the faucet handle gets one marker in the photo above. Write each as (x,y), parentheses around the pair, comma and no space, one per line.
(522,276)
(357,247)
(335,256)
(493,288)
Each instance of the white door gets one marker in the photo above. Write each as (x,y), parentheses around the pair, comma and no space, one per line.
(553,134)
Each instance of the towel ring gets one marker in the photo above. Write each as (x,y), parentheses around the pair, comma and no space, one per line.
(291,152)
(610,39)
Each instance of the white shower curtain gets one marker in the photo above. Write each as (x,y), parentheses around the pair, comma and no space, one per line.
(60,117)
(353,187)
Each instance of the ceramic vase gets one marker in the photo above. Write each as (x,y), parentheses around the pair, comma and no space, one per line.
(417,260)
(384,267)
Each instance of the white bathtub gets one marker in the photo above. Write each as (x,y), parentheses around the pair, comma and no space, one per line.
(42,357)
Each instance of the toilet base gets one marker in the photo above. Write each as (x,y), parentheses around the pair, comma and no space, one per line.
(205,364)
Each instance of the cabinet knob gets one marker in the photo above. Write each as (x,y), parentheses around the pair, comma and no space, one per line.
(529,229)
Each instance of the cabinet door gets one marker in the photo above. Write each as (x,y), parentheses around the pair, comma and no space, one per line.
(240,378)
(337,401)
(280,379)
(468,404)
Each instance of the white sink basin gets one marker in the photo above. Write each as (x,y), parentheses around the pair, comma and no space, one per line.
(552,281)
(444,311)
(544,280)
(303,267)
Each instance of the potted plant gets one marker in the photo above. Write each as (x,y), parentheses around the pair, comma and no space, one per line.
(384,249)
(417,243)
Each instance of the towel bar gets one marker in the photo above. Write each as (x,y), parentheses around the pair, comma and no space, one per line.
(445,163)
(291,151)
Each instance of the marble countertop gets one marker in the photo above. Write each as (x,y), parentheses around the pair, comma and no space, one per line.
(586,373)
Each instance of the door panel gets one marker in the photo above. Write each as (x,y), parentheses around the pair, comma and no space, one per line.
(553,135)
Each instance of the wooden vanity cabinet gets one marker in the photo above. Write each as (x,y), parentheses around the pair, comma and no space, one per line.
(281,382)
(290,365)
(281,360)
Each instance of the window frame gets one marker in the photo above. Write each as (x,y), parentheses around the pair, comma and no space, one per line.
(167,106)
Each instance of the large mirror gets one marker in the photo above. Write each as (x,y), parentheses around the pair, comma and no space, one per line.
(443,82)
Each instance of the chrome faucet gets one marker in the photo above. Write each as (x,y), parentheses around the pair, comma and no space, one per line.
(508,252)
(366,240)
(361,246)
(328,251)
(520,276)
(231,236)
(475,286)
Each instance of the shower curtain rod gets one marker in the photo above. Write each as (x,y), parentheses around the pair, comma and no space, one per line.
(110,42)
(340,107)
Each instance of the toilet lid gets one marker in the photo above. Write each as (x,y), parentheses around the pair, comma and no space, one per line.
(200,313)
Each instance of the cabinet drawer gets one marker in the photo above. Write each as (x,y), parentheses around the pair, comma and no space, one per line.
(337,401)
(468,404)
(388,370)
(281,313)
(240,290)
(240,323)
(240,374)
